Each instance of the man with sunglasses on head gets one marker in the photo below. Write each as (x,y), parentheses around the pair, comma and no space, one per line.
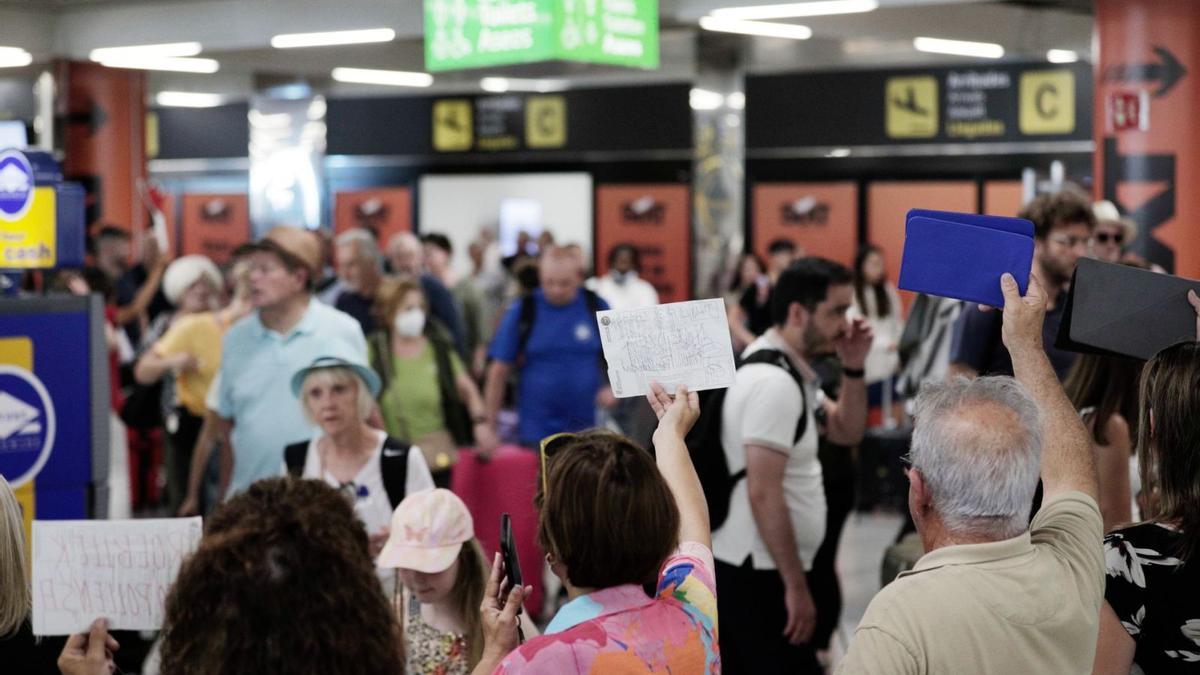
(1063,224)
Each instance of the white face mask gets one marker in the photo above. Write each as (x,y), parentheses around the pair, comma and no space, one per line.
(410,323)
(622,277)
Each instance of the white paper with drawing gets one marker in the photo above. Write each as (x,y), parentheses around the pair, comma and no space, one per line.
(681,343)
(120,570)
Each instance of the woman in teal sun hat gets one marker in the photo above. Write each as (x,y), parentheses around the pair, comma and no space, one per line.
(373,470)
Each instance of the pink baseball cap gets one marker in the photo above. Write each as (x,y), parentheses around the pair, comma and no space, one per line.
(428,530)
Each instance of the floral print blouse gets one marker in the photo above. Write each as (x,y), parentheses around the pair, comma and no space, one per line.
(1156,597)
(429,650)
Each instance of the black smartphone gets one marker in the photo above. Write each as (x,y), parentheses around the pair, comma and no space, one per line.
(508,552)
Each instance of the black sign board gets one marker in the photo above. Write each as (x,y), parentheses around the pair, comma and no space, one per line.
(979,102)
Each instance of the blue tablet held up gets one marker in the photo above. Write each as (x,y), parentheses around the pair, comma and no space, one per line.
(963,255)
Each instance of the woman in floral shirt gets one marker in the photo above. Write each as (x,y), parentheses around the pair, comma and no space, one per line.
(1152,614)
(612,521)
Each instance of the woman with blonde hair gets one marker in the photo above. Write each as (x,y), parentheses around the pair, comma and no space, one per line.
(19,651)
(444,573)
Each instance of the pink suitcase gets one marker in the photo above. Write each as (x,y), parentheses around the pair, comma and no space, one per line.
(506,484)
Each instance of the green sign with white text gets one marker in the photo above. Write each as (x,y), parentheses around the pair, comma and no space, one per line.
(462,34)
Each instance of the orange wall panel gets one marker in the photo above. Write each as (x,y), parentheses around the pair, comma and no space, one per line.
(889,202)
(820,218)
(386,211)
(214,224)
(1002,198)
(655,218)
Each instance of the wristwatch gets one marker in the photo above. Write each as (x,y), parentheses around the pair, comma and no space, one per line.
(854,373)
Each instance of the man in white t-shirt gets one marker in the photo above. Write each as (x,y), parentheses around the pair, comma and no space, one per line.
(776,515)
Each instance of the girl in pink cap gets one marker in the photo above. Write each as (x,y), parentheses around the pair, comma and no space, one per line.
(443,570)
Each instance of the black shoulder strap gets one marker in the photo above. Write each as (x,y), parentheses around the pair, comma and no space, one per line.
(778,359)
(525,322)
(393,465)
(592,300)
(294,456)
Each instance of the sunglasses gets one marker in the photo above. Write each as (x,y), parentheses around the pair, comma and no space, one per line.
(1117,238)
(550,446)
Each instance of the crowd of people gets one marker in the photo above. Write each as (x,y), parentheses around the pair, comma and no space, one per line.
(314,397)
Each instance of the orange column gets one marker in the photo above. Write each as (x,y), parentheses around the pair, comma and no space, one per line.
(103,115)
(1147,139)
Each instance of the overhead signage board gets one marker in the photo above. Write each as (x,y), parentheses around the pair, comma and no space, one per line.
(1007,102)
(462,34)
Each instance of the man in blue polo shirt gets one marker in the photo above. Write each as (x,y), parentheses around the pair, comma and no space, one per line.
(559,364)
(287,331)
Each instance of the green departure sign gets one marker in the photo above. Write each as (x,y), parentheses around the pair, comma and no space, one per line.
(463,34)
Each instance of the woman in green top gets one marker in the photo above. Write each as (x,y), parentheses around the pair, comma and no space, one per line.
(427,397)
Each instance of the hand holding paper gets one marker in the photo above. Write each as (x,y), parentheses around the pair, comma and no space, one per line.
(119,570)
(684,343)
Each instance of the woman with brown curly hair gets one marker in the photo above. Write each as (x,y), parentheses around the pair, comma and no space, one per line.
(282,583)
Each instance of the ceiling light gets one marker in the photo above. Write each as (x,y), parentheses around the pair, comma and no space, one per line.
(736,100)
(982,50)
(166,50)
(390,78)
(14,57)
(169,64)
(705,99)
(188,99)
(760,28)
(337,37)
(499,85)
(838,152)
(1062,56)
(496,85)
(798,9)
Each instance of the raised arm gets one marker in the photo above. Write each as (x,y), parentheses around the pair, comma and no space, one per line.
(1067,460)
(675,418)
(847,417)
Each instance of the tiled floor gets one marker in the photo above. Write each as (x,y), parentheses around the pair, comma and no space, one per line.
(865,538)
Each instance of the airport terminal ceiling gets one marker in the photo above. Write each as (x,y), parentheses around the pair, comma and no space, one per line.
(237,33)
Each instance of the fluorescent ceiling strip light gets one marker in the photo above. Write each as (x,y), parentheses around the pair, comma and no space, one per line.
(705,99)
(499,85)
(390,78)
(14,57)
(981,50)
(757,28)
(1062,56)
(337,37)
(188,99)
(174,65)
(166,50)
(797,9)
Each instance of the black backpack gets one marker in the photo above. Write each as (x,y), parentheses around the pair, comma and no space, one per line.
(393,464)
(704,440)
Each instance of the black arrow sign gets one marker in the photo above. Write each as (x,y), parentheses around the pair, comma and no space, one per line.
(1167,72)
(94,118)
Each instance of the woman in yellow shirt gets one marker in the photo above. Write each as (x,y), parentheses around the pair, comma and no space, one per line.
(191,350)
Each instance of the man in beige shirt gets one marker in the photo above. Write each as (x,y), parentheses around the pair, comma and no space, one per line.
(991,595)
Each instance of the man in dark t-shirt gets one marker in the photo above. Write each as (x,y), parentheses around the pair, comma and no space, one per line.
(1063,224)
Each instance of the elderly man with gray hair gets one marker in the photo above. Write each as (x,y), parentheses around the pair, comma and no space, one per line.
(359,265)
(993,592)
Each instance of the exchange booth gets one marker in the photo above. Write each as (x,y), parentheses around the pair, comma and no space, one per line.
(54,399)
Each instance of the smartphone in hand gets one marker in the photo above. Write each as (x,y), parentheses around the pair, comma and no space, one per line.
(508,552)
(512,564)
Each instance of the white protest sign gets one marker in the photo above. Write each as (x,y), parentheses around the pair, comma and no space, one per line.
(119,570)
(680,343)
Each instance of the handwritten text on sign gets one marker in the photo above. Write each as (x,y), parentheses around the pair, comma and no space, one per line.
(680,343)
(120,570)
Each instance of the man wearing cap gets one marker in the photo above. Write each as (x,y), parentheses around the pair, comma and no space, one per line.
(287,331)
(1113,232)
